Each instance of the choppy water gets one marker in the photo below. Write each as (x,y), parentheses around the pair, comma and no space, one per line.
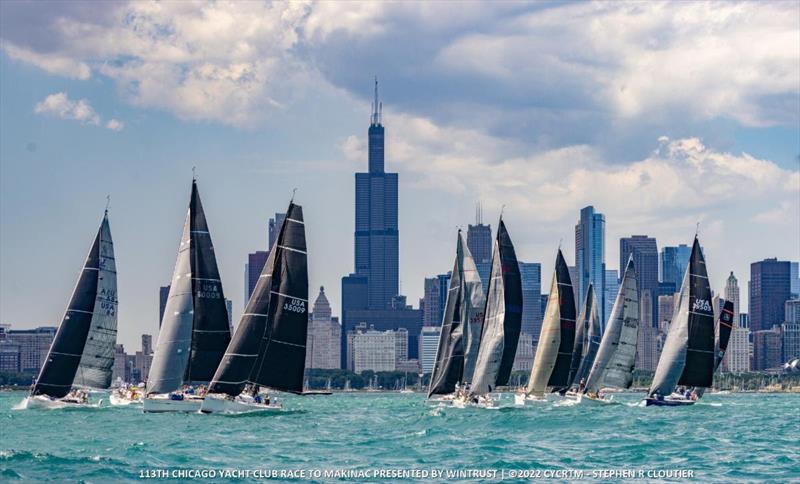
(724,438)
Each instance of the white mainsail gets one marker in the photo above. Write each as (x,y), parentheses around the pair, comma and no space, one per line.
(472,307)
(616,357)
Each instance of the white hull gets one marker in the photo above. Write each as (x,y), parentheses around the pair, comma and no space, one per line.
(162,404)
(117,401)
(219,404)
(43,402)
(521,399)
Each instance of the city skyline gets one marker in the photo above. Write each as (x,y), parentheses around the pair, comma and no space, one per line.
(74,115)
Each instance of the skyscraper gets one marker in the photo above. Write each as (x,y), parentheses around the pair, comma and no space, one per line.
(376,232)
(645,259)
(770,288)
(732,294)
(163,294)
(611,289)
(428,345)
(274,228)
(673,263)
(590,258)
(323,343)
(531,276)
(434,299)
(794,279)
(479,243)
(255,264)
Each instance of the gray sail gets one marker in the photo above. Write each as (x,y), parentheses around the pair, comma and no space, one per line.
(97,361)
(587,339)
(172,352)
(616,357)
(473,305)
(688,354)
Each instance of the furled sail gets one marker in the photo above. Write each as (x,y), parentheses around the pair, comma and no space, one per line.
(195,323)
(269,346)
(91,313)
(554,352)
(503,318)
(688,354)
(473,304)
(587,339)
(449,366)
(616,356)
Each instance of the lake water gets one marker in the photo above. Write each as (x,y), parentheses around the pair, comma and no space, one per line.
(724,438)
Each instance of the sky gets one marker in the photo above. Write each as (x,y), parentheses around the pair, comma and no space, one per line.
(661,115)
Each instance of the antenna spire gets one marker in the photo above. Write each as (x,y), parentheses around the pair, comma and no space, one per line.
(108,203)
(697,229)
(294,190)
(194,173)
(377,106)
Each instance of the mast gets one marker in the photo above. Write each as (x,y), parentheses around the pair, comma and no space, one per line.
(66,354)
(554,352)
(688,354)
(449,366)
(616,356)
(195,317)
(503,317)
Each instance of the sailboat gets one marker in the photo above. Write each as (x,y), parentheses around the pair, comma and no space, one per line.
(461,327)
(724,328)
(195,328)
(502,322)
(551,365)
(269,346)
(616,356)
(587,341)
(82,353)
(688,355)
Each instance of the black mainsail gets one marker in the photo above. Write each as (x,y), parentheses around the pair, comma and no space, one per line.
(449,366)
(554,352)
(503,318)
(269,346)
(688,355)
(195,330)
(82,353)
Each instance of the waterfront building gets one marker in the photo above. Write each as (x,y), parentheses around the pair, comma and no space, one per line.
(434,299)
(645,259)
(737,357)
(323,342)
(590,258)
(767,348)
(428,346)
(790,341)
(32,346)
(523,359)
(770,288)
(376,350)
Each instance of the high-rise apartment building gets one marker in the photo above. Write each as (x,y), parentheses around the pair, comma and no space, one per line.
(428,345)
(590,258)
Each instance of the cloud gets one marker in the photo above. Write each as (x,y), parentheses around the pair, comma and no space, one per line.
(53,64)
(61,106)
(115,125)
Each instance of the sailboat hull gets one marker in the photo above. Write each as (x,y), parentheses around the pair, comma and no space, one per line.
(219,404)
(521,399)
(667,402)
(118,401)
(163,404)
(44,402)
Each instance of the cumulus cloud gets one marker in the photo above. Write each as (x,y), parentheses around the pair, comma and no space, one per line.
(59,105)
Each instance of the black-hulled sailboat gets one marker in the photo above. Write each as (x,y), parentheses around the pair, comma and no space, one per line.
(502,322)
(616,356)
(459,340)
(687,359)
(195,330)
(587,341)
(82,354)
(723,335)
(551,365)
(269,346)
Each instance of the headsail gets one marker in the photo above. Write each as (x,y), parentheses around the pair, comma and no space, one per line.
(688,355)
(724,328)
(89,314)
(269,345)
(473,304)
(554,351)
(195,313)
(616,356)
(449,366)
(587,339)
(503,318)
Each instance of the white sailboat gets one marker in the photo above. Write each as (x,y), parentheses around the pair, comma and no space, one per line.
(81,356)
